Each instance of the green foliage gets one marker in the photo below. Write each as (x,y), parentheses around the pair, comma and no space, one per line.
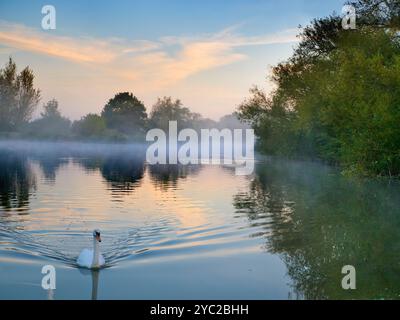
(126,114)
(50,110)
(91,125)
(273,123)
(360,102)
(51,125)
(350,110)
(165,110)
(336,99)
(18,97)
(378,13)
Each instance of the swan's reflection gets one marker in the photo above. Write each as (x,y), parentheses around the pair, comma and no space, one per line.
(95,283)
(95,280)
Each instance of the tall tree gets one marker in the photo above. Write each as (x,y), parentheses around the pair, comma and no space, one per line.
(28,97)
(7,94)
(18,97)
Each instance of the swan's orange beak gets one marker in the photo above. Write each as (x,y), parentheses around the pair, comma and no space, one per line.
(98,238)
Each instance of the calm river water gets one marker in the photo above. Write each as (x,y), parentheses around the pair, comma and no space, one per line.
(191,232)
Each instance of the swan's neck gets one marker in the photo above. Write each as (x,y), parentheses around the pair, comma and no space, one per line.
(96,253)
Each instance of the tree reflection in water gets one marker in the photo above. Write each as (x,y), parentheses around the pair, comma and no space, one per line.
(318,221)
(166,176)
(122,172)
(17,182)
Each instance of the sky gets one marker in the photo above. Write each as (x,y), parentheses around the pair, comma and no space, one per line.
(206,53)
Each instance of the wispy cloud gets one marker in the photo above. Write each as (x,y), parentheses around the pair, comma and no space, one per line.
(145,60)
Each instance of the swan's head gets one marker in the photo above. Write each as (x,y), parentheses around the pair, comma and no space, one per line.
(96,235)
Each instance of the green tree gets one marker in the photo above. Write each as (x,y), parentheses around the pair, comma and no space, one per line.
(51,125)
(378,13)
(90,126)
(18,97)
(273,123)
(335,98)
(357,105)
(50,110)
(166,109)
(126,114)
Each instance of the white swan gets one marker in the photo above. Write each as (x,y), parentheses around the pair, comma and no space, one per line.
(92,259)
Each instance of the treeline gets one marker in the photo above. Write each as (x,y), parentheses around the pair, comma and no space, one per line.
(123,118)
(337,98)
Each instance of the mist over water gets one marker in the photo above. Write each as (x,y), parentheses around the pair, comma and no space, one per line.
(196,231)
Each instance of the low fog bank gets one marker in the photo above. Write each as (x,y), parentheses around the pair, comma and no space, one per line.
(43,147)
(77,148)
